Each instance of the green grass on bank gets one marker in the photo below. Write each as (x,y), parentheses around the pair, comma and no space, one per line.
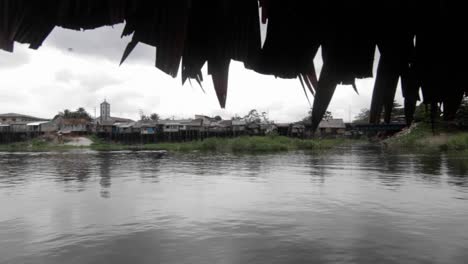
(422,137)
(412,139)
(457,142)
(240,144)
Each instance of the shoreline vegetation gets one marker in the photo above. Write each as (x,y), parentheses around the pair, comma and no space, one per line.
(418,138)
(239,144)
(421,137)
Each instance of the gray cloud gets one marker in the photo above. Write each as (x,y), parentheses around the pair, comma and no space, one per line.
(13,60)
(6,97)
(64,76)
(101,43)
(90,82)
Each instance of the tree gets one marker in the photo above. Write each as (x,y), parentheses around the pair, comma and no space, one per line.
(327,116)
(218,118)
(144,118)
(462,113)
(154,117)
(236,117)
(254,117)
(308,119)
(397,111)
(363,116)
(80,113)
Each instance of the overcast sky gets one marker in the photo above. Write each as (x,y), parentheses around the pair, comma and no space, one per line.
(80,69)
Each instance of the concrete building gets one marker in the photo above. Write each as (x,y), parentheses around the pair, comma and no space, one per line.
(105,123)
(105,111)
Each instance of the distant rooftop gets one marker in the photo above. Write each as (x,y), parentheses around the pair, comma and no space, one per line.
(16,115)
(115,119)
(332,123)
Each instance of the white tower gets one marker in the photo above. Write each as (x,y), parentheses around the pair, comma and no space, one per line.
(105,111)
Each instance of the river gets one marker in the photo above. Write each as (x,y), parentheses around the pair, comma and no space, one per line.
(355,204)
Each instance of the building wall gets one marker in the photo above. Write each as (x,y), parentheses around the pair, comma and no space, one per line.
(75,128)
(48,127)
(10,120)
(171,128)
(105,111)
(18,128)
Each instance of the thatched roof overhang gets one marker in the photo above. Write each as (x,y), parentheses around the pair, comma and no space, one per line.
(422,43)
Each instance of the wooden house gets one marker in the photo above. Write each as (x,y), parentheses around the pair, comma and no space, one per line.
(331,127)
(73,125)
(283,129)
(238,126)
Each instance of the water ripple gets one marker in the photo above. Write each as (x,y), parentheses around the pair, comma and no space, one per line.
(355,205)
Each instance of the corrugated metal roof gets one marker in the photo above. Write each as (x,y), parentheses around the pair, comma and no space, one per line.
(239,122)
(124,125)
(37,123)
(16,115)
(332,123)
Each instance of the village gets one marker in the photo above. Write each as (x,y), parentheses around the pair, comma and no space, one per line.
(16,127)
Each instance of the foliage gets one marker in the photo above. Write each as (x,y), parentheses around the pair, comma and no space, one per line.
(458,142)
(462,113)
(308,119)
(154,117)
(144,118)
(421,137)
(397,112)
(363,116)
(412,138)
(254,117)
(423,114)
(80,113)
(240,144)
(236,117)
(151,117)
(327,116)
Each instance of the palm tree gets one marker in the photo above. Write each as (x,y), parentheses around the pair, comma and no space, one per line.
(66,113)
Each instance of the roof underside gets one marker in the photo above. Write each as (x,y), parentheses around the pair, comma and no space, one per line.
(422,43)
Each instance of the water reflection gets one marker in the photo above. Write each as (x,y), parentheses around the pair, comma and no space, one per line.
(457,168)
(104,161)
(428,165)
(317,171)
(351,205)
(14,169)
(73,169)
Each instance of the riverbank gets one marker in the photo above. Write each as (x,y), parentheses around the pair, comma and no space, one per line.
(240,144)
(420,136)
